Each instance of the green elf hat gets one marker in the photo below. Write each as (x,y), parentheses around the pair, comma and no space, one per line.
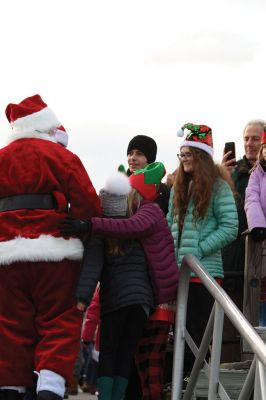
(121,168)
(199,136)
(147,180)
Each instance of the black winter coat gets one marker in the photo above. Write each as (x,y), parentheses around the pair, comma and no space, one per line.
(234,254)
(124,279)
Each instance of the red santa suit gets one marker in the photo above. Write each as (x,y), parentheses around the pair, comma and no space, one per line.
(41,182)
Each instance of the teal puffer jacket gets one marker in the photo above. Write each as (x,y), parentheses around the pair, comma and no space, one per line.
(205,238)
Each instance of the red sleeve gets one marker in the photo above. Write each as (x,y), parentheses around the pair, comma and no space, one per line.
(83,198)
(92,318)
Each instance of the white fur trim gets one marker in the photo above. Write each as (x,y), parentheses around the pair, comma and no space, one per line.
(61,137)
(32,135)
(198,145)
(118,184)
(49,380)
(43,120)
(44,248)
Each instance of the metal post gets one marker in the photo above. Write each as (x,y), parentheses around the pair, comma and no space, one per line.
(257,392)
(262,381)
(216,351)
(200,358)
(248,386)
(180,325)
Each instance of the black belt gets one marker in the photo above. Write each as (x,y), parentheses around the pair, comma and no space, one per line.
(28,202)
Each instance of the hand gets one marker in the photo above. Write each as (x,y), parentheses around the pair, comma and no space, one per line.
(228,164)
(81,306)
(71,226)
(86,343)
(258,234)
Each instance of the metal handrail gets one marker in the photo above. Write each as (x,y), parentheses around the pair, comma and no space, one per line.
(233,313)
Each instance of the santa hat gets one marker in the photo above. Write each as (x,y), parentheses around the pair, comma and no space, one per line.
(114,195)
(199,136)
(32,118)
(147,180)
(263,139)
(146,145)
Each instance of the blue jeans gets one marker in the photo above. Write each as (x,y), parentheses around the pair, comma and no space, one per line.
(91,366)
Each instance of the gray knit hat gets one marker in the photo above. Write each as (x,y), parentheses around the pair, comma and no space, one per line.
(114,195)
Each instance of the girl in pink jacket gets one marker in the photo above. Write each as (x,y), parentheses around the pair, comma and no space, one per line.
(255,207)
(147,224)
(255,200)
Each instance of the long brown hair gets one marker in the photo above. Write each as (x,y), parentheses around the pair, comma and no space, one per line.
(114,247)
(198,185)
(134,199)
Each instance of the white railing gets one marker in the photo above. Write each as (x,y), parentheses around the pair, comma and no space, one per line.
(256,378)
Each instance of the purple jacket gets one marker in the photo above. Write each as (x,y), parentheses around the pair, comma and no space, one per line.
(255,200)
(149,225)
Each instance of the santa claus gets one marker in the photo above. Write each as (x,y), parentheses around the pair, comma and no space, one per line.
(41,182)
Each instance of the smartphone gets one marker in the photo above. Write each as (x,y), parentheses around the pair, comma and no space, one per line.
(230,146)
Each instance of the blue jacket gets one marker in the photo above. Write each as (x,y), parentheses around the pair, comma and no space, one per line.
(205,238)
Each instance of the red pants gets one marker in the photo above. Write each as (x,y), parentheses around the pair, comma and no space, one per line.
(39,322)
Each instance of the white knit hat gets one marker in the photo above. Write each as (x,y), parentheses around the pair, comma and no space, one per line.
(114,195)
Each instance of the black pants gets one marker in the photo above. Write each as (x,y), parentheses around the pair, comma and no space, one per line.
(120,332)
(200,303)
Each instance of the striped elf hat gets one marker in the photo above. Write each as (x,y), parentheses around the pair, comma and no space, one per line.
(147,180)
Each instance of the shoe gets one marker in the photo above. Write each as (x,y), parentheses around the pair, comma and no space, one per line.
(88,388)
(30,394)
(119,388)
(105,386)
(74,384)
(9,394)
(47,395)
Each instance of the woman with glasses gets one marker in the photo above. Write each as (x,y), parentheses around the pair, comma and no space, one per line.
(203,219)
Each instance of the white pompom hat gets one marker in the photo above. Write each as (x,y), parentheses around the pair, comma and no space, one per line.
(114,195)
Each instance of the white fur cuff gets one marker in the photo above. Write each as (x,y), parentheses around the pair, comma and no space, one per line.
(49,380)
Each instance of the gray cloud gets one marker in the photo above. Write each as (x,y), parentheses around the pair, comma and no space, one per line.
(209,47)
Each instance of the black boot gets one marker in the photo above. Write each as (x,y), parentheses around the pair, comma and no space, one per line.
(47,395)
(30,394)
(9,394)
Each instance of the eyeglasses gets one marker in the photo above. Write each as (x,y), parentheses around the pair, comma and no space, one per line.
(184,155)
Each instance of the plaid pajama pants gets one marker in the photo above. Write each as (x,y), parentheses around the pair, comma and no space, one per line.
(150,357)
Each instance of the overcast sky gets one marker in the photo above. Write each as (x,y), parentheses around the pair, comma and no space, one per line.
(112,69)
